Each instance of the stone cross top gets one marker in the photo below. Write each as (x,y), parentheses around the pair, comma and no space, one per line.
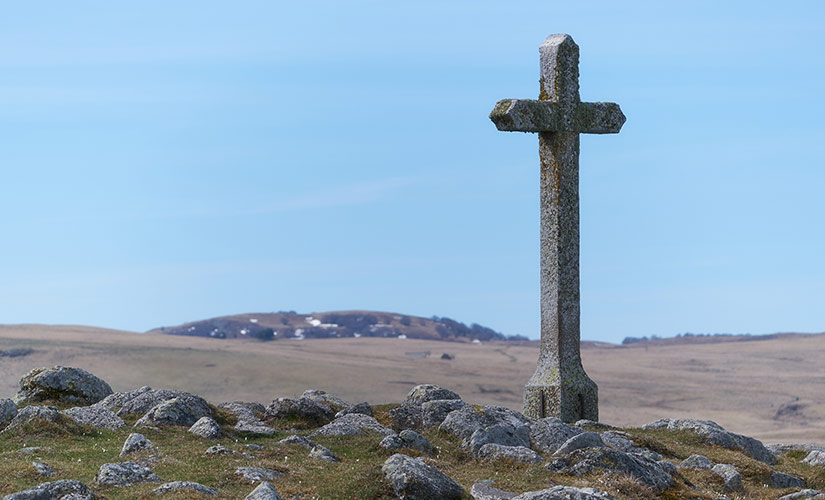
(559,387)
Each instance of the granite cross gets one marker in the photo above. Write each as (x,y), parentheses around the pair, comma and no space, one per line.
(559,387)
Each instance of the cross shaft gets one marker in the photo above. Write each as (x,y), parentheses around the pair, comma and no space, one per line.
(559,387)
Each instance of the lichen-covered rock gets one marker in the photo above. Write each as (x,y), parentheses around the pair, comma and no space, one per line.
(174,486)
(219,449)
(121,474)
(465,421)
(249,417)
(8,410)
(484,490)
(298,440)
(579,441)
(589,460)
(325,398)
(412,479)
(521,454)
(696,462)
(34,413)
(781,480)
(815,457)
(62,384)
(99,417)
(406,417)
(185,409)
(136,442)
(64,489)
(141,401)
(548,434)
(565,493)
(263,491)
(714,433)
(43,469)
(503,434)
(420,394)
(782,448)
(303,408)
(730,476)
(256,474)
(206,427)
(116,400)
(407,439)
(807,494)
(352,424)
(323,453)
(362,408)
(434,412)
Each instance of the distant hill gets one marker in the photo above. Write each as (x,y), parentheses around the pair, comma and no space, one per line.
(335,324)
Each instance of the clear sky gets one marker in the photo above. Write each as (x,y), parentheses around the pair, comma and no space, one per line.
(172,161)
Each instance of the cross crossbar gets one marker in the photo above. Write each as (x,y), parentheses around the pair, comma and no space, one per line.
(528,115)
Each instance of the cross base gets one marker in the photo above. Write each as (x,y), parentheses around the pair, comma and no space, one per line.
(570,398)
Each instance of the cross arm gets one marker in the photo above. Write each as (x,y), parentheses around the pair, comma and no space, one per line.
(526,115)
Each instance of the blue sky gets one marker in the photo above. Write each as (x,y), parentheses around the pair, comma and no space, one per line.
(171,161)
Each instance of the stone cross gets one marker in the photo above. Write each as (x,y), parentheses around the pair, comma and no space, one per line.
(559,387)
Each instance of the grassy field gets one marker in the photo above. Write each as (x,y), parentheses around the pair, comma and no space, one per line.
(769,389)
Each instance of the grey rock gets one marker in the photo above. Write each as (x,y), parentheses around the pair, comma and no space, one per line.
(121,474)
(407,439)
(323,453)
(304,408)
(392,442)
(64,489)
(420,394)
(256,474)
(407,416)
(493,451)
(99,417)
(325,398)
(255,447)
(503,434)
(696,462)
(579,441)
(362,408)
(8,410)
(807,494)
(565,493)
(263,491)
(714,433)
(249,428)
(465,421)
(185,409)
(219,449)
(174,486)
(298,440)
(484,490)
(141,401)
(31,449)
(206,427)
(782,480)
(352,424)
(412,479)
(548,434)
(592,424)
(434,412)
(815,457)
(61,384)
(136,442)
(782,448)
(588,460)
(668,467)
(116,400)
(730,476)
(31,414)
(43,469)
(617,440)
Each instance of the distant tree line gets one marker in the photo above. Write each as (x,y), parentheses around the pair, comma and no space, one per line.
(633,340)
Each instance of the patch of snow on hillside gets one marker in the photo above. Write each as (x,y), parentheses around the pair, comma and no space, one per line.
(402,336)
(253,320)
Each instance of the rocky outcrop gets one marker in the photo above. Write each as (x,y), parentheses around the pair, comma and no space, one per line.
(31,414)
(185,409)
(352,424)
(565,493)
(714,433)
(250,418)
(206,427)
(589,460)
(263,491)
(330,400)
(176,486)
(548,434)
(412,479)
(423,393)
(519,454)
(98,417)
(136,442)
(61,384)
(64,489)
(696,462)
(781,480)
(8,411)
(407,439)
(122,474)
(302,408)
(730,476)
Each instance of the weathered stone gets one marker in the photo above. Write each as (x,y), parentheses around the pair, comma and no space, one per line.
(140,401)
(263,491)
(420,394)
(565,493)
(592,425)
(494,451)
(579,441)
(206,427)
(250,417)
(43,469)
(61,384)
(219,449)
(352,424)
(434,412)
(407,416)
(323,453)
(185,409)
(175,486)
(407,439)
(668,467)
(807,494)
(815,457)
(465,421)
(32,414)
(31,449)
(548,434)
(64,489)
(121,474)
(99,417)
(559,387)
(713,433)
(8,410)
(502,434)
(362,408)
(256,474)
(730,476)
(696,462)
(484,490)
(392,442)
(304,408)
(782,480)
(298,440)
(617,440)
(588,460)
(136,442)
(412,479)
(325,398)
(782,448)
